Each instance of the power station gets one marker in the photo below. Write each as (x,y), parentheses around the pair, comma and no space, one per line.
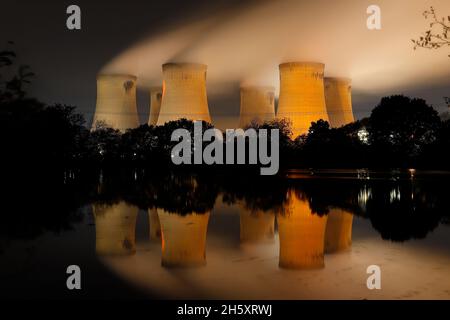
(116,101)
(257,105)
(338,99)
(305,96)
(155,105)
(184,93)
(302,98)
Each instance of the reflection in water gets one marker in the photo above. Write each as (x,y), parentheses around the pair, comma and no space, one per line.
(314,215)
(183,239)
(301,235)
(115,228)
(154,225)
(256,227)
(338,235)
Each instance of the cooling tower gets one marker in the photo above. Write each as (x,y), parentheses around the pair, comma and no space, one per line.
(116,102)
(183,239)
(115,228)
(154,225)
(301,235)
(338,235)
(155,105)
(338,99)
(184,93)
(302,98)
(256,227)
(257,105)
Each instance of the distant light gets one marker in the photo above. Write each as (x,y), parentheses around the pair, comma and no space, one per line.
(412,172)
(363,136)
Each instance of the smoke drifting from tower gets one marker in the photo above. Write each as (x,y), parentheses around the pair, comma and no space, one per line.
(257,105)
(302,98)
(184,93)
(116,101)
(338,98)
(155,105)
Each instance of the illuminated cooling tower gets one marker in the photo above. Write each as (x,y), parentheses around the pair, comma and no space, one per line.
(302,98)
(183,239)
(338,235)
(257,105)
(115,228)
(116,102)
(184,93)
(155,226)
(155,105)
(301,235)
(338,98)
(256,227)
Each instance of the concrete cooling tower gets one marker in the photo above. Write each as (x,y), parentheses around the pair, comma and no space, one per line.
(257,105)
(257,227)
(302,98)
(116,102)
(338,235)
(115,228)
(301,235)
(338,99)
(184,93)
(155,105)
(154,225)
(183,239)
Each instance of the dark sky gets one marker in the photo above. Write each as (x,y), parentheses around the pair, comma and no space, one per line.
(66,62)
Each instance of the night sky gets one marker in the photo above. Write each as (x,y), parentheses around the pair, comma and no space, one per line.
(240,43)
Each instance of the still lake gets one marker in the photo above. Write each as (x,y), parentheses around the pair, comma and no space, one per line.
(301,235)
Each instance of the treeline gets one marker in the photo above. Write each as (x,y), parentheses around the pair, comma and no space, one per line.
(401,132)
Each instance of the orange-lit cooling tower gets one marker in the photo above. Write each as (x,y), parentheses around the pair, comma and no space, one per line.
(301,235)
(302,98)
(257,105)
(338,235)
(184,93)
(338,98)
(257,227)
(155,226)
(183,239)
(116,102)
(155,105)
(115,228)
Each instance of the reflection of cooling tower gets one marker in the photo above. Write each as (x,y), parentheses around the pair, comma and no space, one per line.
(338,98)
(155,226)
(338,235)
(184,93)
(301,235)
(302,98)
(257,226)
(116,102)
(183,239)
(115,228)
(257,105)
(155,105)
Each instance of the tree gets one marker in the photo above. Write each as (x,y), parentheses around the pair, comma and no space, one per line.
(437,36)
(400,127)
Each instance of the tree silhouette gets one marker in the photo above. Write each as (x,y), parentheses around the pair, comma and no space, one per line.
(400,128)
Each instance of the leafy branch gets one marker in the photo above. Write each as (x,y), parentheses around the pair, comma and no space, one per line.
(437,36)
